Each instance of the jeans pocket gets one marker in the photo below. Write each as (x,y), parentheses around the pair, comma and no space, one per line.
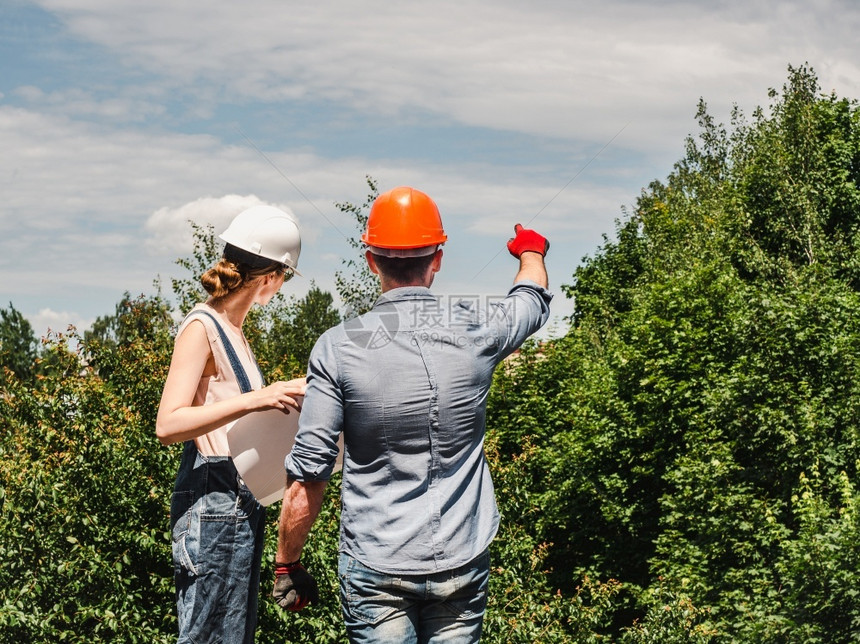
(467,605)
(468,589)
(246,502)
(369,596)
(184,550)
(182,558)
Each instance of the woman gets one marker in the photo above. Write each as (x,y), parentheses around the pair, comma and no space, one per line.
(216,522)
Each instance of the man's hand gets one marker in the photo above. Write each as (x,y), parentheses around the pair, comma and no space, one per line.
(294,586)
(527,240)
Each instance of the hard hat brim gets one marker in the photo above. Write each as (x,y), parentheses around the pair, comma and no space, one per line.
(422,251)
(235,254)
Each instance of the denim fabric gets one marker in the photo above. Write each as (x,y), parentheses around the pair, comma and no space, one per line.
(217,528)
(410,609)
(407,384)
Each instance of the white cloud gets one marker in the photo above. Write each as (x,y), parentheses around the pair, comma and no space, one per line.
(69,176)
(125,107)
(91,211)
(575,70)
(99,179)
(171,232)
(47,321)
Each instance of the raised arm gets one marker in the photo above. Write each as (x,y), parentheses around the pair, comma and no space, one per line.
(530,248)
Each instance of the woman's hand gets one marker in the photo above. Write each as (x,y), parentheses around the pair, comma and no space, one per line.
(179,419)
(280,395)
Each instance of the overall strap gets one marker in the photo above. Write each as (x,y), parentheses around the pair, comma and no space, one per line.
(238,369)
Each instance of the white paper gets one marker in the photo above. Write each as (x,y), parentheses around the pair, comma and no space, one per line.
(259,442)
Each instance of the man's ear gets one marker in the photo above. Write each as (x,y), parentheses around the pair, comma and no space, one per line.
(371,263)
(436,264)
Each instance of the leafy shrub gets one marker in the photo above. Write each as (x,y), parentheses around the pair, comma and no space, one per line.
(84,511)
(680,467)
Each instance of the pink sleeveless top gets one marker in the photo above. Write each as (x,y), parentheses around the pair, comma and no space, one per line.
(223,384)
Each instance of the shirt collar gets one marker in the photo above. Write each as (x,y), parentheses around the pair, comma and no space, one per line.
(405,293)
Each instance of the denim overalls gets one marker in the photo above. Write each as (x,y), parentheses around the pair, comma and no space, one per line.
(218,529)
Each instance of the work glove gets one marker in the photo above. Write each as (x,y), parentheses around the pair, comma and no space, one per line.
(527,240)
(294,586)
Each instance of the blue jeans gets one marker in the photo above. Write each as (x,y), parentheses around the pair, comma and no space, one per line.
(440,607)
(217,528)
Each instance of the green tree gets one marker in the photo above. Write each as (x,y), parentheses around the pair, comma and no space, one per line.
(84,500)
(357,286)
(18,345)
(293,328)
(206,253)
(710,370)
(110,337)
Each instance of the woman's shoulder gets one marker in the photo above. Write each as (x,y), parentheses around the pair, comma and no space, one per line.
(202,313)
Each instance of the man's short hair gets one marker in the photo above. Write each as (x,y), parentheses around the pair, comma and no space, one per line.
(404,270)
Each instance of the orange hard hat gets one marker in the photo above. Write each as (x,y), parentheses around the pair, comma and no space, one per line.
(403,218)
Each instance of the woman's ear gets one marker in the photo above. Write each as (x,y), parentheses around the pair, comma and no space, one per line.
(268,278)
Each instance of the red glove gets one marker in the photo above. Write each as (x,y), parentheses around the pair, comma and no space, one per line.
(527,240)
(294,586)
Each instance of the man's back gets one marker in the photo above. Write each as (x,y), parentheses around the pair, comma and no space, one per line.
(407,383)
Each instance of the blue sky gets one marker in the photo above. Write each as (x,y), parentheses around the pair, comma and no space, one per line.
(121,120)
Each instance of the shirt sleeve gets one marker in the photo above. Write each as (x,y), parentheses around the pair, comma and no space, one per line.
(315,451)
(522,313)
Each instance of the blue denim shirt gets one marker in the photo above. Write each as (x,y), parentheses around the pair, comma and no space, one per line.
(407,384)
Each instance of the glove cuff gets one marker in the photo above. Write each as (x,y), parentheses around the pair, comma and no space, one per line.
(282,568)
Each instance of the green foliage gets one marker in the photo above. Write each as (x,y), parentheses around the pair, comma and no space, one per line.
(84,506)
(321,623)
(819,567)
(18,345)
(291,327)
(680,467)
(522,606)
(696,431)
(358,287)
(207,252)
(670,619)
(114,342)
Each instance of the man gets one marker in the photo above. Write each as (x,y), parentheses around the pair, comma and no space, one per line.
(407,384)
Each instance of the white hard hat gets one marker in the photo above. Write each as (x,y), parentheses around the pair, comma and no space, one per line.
(267,232)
